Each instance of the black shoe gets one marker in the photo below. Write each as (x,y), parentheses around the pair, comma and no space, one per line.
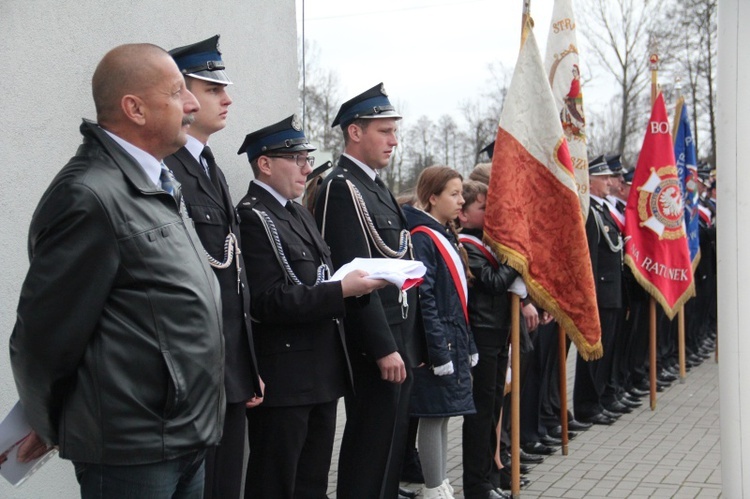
(402,492)
(498,494)
(556,432)
(538,448)
(643,386)
(665,375)
(550,440)
(638,393)
(490,494)
(505,479)
(527,458)
(695,359)
(632,403)
(411,470)
(505,459)
(617,407)
(575,425)
(597,419)
(689,364)
(611,415)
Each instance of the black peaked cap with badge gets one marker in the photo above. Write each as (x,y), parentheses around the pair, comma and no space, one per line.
(372,103)
(614,163)
(286,136)
(202,60)
(598,167)
(628,176)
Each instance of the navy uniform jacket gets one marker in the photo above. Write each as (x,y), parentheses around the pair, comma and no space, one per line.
(298,335)
(214,217)
(607,265)
(368,322)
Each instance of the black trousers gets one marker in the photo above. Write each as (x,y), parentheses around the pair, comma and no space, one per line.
(372,447)
(478,432)
(224,463)
(592,377)
(549,389)
(290,451)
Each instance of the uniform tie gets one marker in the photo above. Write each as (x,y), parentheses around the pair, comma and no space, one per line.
(293,210)
(210,167)
(380,182)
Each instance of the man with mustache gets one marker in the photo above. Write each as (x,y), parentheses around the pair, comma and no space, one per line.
(117,351)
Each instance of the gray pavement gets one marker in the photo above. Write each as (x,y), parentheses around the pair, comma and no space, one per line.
(672,452)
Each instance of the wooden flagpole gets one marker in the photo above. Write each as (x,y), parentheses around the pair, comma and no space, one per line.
(654,64)
(681,313)
(515,342)
(563,389)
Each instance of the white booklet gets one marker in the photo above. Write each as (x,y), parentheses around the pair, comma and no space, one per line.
(13,431)
(403,273)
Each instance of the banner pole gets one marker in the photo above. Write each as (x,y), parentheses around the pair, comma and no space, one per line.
(562,351)
(654,65)
(652,349)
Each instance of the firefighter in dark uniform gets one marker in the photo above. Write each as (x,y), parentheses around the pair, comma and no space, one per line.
(209,204)
(359,217)
(298,335)
(592,395)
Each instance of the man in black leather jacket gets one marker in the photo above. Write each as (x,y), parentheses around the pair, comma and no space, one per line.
(117,352)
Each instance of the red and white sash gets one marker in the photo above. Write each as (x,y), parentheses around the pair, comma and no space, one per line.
(452,261)
(705,214)
(618,217)
(479,244)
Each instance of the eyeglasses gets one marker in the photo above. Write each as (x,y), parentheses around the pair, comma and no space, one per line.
(299,159)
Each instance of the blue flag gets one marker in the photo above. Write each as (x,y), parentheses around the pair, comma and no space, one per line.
(684,153)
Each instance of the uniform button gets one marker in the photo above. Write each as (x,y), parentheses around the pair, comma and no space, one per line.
(389,222)
(243,285)
(288,345)
(245,316)
(208,217)
(304,254)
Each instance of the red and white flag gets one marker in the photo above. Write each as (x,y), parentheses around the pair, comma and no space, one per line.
(533,220)
(564,72)
(657,249)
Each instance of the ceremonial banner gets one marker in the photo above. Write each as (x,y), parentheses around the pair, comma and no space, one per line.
(687,171)
(657,250)
(564,73)
(533,220)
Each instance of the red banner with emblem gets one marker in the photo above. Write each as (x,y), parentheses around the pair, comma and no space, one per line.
(656,249)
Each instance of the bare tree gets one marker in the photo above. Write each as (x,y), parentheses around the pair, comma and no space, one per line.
(618,32)
(445,139)
(320,103)
(696,23)
(481,127)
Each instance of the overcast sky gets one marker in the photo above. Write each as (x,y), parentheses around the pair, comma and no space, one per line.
(432,55)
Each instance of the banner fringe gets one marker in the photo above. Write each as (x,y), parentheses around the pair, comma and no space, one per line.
(656,294)
(542,298)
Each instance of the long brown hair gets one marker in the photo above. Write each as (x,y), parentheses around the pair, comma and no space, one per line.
(432,181)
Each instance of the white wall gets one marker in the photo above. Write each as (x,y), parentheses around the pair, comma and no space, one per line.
(49,51)
(733,149)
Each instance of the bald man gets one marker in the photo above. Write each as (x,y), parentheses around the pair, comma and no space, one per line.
(117,352)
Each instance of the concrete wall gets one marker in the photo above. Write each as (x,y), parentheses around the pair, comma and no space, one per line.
(49,51)
(733,177)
